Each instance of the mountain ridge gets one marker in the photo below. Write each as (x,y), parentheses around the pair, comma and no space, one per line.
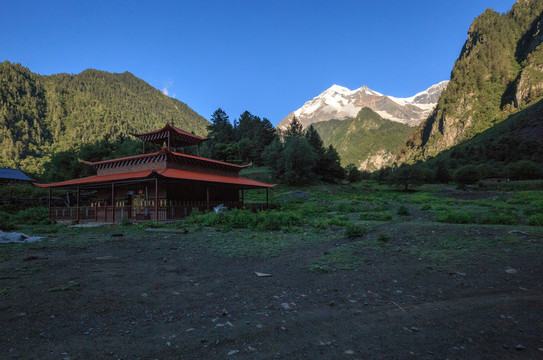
(44,114)
(499,72)
(368,141)
(340,103)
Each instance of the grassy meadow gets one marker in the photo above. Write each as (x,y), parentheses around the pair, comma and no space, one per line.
(438,224)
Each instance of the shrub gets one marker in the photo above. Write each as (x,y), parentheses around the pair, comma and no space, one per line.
(383,237)
(245,219)
(33,216)
(6,221)
(499,219)
(376,216)
(324,223)
(403,210)
(467,174)
(353,230)
(455,217)
(125,221)
(535,220)
(524,170)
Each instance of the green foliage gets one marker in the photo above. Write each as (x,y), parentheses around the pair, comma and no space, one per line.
(43,115)
(325,223)
(245,219)
(410,175)
(294,128)
(383,237)
(499,219)
(467,174)
(365,135)
(493,78)
(376,216)
(32,216)
(403,211)
(352,173)
(524,170)
(442,174)
(125,221)
(455,217)
(340,258)
(535,220)
(353,230)
(6,221)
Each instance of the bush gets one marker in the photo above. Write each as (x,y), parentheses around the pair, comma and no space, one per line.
(6,221)
(33,216)
(455,217)
(376,216)
(535,220)
(383,237)
(245,219)
(467,174)
(499,219)
(524,170)
(125,221)
(353,230)
(324,223)
(403,210)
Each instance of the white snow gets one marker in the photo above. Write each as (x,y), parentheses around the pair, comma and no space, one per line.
(338,101)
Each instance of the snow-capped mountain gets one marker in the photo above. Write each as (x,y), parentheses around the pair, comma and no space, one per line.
(340,103)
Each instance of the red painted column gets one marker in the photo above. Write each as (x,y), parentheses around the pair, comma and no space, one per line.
(77,218)
(156,199)
(112,203)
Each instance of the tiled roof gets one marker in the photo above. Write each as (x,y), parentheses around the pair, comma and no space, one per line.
(178,137)
(167,173)
(163,155)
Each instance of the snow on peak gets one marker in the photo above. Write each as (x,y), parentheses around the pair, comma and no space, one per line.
(339,102)
(338,89)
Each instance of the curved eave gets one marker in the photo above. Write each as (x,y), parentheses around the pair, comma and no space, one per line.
(176,156)
(173,174)
(178,136)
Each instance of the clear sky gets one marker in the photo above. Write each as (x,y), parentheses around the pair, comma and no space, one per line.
(265,56)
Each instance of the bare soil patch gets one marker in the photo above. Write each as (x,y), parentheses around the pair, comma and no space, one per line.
(169,295)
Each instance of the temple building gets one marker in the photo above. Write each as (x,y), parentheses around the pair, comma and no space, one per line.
(159,186)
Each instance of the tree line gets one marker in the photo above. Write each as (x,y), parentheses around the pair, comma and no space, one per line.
(294,156)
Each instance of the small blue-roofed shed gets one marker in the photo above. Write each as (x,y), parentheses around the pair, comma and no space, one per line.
(13,175)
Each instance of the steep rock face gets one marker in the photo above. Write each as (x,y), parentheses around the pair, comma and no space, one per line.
(340,103)
(498,73)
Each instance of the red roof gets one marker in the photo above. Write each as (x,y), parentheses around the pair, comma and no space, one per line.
(178,137)
(162,155)
(167,173)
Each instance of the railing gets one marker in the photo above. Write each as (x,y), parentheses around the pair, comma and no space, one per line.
(142,213)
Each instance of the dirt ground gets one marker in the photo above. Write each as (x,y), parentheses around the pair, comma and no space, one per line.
(156,295)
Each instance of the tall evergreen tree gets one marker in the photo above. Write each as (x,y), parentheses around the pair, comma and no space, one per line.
(294,128)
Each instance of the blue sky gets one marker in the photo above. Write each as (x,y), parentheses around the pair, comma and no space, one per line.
(268,57)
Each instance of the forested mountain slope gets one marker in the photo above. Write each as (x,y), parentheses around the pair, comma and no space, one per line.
(499,72)
(368,141)
(40,115)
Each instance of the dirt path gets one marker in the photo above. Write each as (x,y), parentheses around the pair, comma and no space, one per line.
(154,296)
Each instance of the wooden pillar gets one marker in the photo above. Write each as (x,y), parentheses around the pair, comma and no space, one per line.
(77,206)
(143,150)
(49,203)
(267,198)
(112,202)
(207,197)
(242,196)
(198,149)
(168,141)
(156,199)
